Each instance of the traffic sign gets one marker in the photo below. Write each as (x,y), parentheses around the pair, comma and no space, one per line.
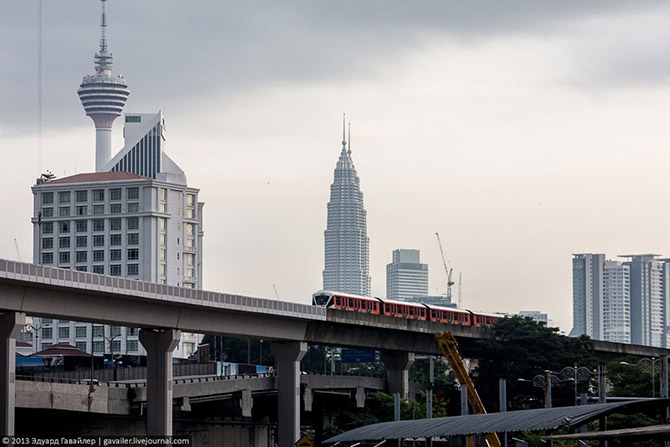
(304,441)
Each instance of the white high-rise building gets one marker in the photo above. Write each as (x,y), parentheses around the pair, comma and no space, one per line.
(616,302)
(536,315)
(587,292)
(406,277)
(346,240)
(134,217)
(648,300)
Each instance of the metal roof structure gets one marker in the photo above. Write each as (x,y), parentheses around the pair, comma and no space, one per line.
(512,421)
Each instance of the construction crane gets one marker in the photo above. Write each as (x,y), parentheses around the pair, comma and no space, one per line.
(18,253)
(447,268)
(449,347)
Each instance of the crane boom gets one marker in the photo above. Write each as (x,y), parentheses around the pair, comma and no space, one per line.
(449,347)
(447,268)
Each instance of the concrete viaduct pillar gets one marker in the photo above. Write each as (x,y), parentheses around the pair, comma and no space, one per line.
(398,364)
(288,356)
(159,344)
(10,325)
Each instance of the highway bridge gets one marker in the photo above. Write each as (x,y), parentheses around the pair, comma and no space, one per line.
(163,311)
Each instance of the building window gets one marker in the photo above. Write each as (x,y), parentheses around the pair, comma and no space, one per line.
(162,208)
(188,285)
(45,346)
(115,224)
(98,195)
(64,211)
(116,345)
(189,258)
(81,268)
(82,226)
(82,196)
(189,213)
(133,119)
(190,199)
(63,257)
(133,254)
(47,212)
(81,256)
(98,331)
(131,345)
(63,332)
(115,194)
(115,239)
(64,197)
(133,207)
(133,269)
(161,238)
(163,194)
(189,273)
(133,193)
(133,331)
(64,227)
(115,270)
(114,255)
(98,346)
(81,241)
(47,332)
(133,238)
(47,228)
(81,210)
(63,242)
(47,243)
(99,269)
(163,223)
(46,320)
(98,209)
(162,254)
(98,240)
(189,243)
(115,331)
(47,197)
(81,345)
(189,229)
(99,225)
(98,255)
(133,223)
(80,331)
(161,269)
(47,258)
(115,208)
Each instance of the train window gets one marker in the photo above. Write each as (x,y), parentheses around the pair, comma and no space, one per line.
(351,302)
(337,300)
(432,314)
(488,320)
(423,313)
(386,308)
(411,311)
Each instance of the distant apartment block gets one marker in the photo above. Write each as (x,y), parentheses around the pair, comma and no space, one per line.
(625,302)
(406,277)
(536,315)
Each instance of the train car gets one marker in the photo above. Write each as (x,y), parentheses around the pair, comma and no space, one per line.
(404,309)
(343,301)
(480,319)
(451,315)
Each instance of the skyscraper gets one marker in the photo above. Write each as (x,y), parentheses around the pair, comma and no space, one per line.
(648,289)
(103,97)
(406,277)
(616,302)
(587,292)
(346,240)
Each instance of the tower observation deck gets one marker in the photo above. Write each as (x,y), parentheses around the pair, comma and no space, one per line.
(103,97)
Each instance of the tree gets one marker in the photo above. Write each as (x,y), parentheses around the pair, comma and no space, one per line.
(520,348)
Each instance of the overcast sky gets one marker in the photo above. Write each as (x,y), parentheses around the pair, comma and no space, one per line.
(521,131)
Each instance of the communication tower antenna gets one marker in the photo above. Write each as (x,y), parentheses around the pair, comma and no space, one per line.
(276,293)
(39,87)
(18,253)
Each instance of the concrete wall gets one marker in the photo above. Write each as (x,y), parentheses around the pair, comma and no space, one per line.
(62,396)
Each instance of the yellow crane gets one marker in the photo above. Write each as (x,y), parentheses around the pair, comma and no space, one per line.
(449,347)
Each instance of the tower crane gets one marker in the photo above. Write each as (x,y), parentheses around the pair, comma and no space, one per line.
(447,268)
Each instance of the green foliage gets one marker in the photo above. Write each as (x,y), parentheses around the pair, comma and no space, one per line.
(420,372)
(520,348)
(629,380)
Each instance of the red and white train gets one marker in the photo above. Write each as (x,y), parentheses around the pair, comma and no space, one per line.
(402,309)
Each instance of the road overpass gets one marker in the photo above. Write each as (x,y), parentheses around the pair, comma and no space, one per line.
(163,311)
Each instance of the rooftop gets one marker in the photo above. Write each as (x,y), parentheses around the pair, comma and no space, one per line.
(97,177)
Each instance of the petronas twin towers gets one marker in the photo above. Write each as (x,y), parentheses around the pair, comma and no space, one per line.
(347,265)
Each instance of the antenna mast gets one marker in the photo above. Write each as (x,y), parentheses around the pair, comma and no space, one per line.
(460,290)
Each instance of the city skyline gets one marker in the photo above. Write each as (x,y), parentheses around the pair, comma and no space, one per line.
(503,131)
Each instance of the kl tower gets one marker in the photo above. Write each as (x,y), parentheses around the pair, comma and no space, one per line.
(103,97)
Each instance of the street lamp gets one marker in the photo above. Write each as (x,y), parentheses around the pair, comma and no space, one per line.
(651,366)
(550,378)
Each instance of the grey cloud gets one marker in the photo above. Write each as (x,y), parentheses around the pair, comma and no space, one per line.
(171,50)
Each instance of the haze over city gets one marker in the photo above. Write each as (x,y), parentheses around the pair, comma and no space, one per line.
(521,133)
